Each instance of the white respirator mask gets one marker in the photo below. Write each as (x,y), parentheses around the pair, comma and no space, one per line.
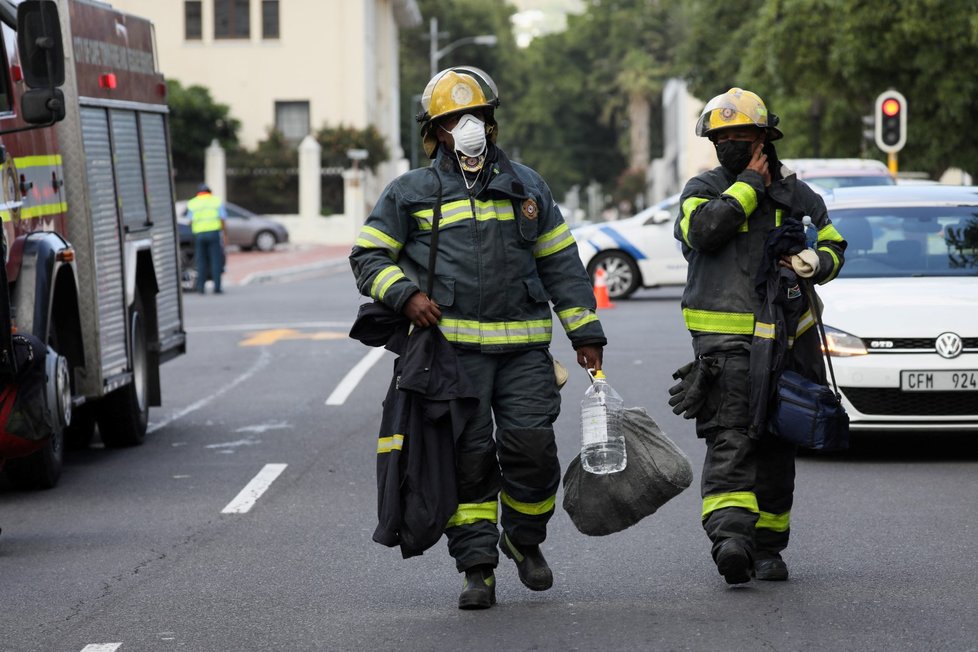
(470,136)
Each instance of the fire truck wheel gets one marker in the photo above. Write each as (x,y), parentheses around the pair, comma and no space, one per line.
(79,434)
(41,470)
(123,415)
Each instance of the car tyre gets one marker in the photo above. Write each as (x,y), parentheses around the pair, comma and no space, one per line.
(621,273)
(265,241)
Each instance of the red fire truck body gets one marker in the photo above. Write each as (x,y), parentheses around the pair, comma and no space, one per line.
(89,226)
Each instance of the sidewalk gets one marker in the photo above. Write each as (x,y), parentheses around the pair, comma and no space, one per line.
(247,267)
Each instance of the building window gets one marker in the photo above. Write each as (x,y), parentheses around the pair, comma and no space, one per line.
(269,19)
(191,20)
(231,19)
(292,120)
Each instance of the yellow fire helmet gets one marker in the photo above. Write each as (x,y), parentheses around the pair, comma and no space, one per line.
(456,90)
(737,108)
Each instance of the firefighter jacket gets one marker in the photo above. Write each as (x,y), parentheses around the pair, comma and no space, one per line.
(428,404)
(723,226)
(504,253)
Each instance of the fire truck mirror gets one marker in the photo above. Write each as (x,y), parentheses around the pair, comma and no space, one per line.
(40,45)
(42,106)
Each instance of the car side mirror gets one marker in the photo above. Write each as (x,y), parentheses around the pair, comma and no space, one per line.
(39,42)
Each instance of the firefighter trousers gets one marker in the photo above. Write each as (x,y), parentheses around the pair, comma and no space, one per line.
(506,455)
(747,484)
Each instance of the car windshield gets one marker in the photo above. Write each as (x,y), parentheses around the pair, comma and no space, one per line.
(848,181)
(909,241)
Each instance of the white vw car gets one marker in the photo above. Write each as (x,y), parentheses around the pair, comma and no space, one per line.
(638,251)
(902,318)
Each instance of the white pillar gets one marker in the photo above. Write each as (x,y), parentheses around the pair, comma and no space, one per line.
(215,169)
(353,198)
(310,184)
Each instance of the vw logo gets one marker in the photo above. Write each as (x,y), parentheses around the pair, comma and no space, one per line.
(948,345)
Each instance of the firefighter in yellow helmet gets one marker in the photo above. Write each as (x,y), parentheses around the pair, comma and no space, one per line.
(740,227)
(504,256)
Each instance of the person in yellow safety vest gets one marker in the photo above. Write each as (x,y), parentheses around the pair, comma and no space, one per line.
(207,214)
(502,255)
(726,220)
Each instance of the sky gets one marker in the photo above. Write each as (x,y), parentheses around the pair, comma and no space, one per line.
(536,17)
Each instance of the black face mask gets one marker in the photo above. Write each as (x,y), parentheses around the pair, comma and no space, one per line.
(734,155)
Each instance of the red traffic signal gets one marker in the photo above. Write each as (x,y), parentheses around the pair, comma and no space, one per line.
(891,121)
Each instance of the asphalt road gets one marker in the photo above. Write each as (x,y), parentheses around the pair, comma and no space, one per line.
(244,521)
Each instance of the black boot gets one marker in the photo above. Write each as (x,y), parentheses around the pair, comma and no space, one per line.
(770,567)
(530,564)
(733,561)
(479,590)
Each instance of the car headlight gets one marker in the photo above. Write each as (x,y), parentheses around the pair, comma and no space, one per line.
(842,344)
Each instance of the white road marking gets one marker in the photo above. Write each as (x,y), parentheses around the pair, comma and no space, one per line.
(355,375)
(235,444)
(245,500)
(263,359)
(265,427)
(101,647)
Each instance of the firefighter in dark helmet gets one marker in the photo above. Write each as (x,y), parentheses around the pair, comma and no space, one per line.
(504,254)
(727,219)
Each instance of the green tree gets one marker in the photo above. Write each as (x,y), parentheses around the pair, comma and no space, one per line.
(337,141)
(196,120)
(821,63)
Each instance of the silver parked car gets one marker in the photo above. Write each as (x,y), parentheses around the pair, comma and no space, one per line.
(246,230)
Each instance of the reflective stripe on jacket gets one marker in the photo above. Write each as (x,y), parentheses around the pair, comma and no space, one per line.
(205,213)
(723,225)
(504,254)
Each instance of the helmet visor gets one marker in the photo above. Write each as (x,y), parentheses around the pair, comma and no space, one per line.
(732,109)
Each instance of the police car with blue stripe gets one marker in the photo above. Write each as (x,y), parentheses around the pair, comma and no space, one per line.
(638,251)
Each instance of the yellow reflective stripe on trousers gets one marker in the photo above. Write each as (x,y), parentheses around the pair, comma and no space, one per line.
(532,509)
(384,279)
(468,513)
(388,444)
(553,241)
(775,522)
(711,321)
(468,331)
(456,211)
(744,195)
(371,238)
(743,499)
(688,207)
(573,318)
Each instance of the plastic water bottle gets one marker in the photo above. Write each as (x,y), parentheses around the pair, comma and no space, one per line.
(811,235)
(602,440)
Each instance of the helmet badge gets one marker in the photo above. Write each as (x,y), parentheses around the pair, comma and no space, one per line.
(727,114)
(461,94)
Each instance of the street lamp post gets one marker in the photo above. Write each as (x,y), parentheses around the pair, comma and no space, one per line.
(434,54)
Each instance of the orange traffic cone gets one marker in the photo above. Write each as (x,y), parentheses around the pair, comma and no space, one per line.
(601,290)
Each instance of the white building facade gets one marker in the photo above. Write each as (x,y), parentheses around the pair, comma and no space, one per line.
(294,65)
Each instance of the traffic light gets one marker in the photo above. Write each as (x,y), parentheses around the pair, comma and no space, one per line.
(891,121)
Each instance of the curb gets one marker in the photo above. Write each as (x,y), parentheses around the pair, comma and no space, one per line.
(286,273)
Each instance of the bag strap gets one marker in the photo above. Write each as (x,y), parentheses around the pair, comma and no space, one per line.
(820,327)
(433,248)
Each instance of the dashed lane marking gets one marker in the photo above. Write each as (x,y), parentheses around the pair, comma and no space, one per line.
(245,500)
(101,647)
(265,338)
(354,376)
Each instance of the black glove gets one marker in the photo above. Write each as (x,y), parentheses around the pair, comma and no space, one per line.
(688,396)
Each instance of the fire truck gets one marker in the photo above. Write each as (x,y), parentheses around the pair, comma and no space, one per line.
(89,230)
